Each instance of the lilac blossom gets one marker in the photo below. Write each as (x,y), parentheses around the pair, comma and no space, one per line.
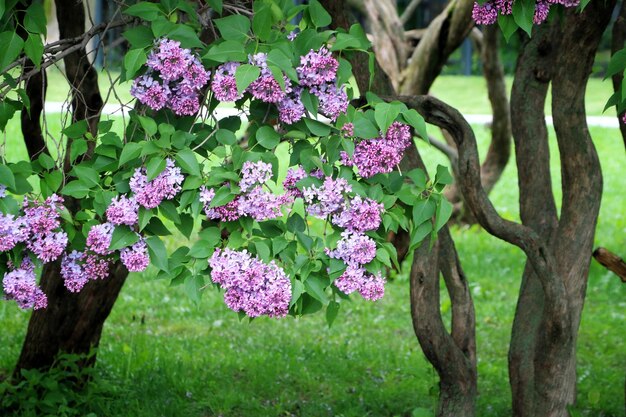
(333,101)
(48,247)
(99,238)
(347,130)
(169,59)
(252,286)
(291,179)
(96,266)
(354,249)
(372,287)
(359,215)
(3,191)
(291,109)
(380,155)
(317,68)
(227,213)
(266,88)
(254,173)
(72,271)
(12,231)
(485,14)
(327,199)
(21,285)
(42,217)
(542,9)
(224,85)
(136,257)
(262,205)
(165,186)
(150,92)
(123,210)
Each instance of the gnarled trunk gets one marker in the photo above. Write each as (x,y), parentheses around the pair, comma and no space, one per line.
(72,322)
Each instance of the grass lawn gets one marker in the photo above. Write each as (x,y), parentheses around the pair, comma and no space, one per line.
(162,355)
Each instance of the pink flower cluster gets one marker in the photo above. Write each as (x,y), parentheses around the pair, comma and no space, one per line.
(254,201)
(21,285)
(487,13)
(174,79)
(380,155)
(165,186)
(252,286)
(77,268)
(357,250)
(317,72)
(38,228)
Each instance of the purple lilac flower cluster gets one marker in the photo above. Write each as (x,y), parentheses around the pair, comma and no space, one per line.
(20,285)
(78,268)
(328,199)
(38,228)
(359,215)
(380,155)
(487,13)
(254,201)
(357,250)
(252,286)
(174,79)
(317,72)
(165,186)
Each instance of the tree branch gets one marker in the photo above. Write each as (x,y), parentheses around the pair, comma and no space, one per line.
(611,261)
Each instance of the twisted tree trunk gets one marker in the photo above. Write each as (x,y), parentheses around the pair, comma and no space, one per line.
(72,322)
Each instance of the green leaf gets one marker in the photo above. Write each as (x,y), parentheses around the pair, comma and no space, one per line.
(418,177)
(79,147)
(46,161)
(33,48)
(6,177)
(331,312)
(233,28)
(296,291)
(7,111)
(416,120)
(263,250)
(154,167)
(75,189)
(139,37)
(187,36)
(385,114)
(226,137)
(267,137)
(317,128)
(193,286)
(187,161)
(35,19)
(157,252)
(216,5)
(419,233)
(12,45)
(130,151)
(508,25)
(168,209)
(443,176)
(423,210)
(523,13)
(133,61)
(148,125)
(227,51)
(202,249)
(144,10)
(262,23)
(245,75)
(319,16)
(617,63)
(444,211)
(365,129)
(222,196)
(344,41)
(315,288)
(310,101)
(122,237)
(87,175)
(76,130)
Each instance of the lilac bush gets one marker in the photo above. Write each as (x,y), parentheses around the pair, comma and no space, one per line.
(286,213)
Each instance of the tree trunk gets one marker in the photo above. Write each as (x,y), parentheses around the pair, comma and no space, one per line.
(72,322)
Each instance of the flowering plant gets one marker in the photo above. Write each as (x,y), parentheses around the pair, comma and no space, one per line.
(248,146)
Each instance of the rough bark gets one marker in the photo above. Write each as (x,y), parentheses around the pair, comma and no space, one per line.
(499,150)
(537,207)
(617,42)
(611,261)
(444,34)
(72,322)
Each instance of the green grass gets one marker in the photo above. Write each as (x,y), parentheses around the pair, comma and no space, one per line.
(469,94)
(162,355)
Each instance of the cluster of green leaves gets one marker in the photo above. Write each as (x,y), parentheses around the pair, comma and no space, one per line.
(28,43)
(617,65)
(212,151)
(54,393)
